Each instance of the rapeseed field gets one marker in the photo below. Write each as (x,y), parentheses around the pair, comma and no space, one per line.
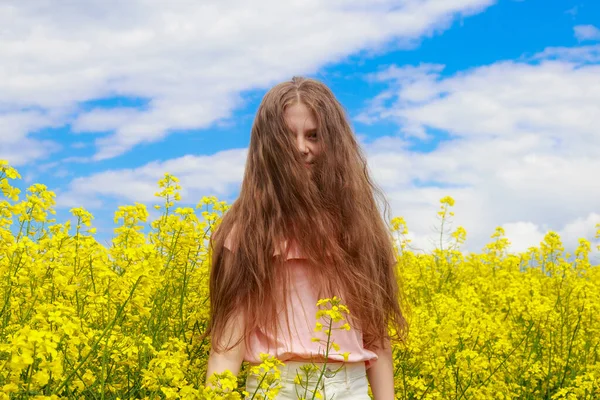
(82,320)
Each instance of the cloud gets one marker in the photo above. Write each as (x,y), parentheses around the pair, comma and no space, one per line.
(515,142)
(218,174)
(189,61)
(519,150)
(523,235)
(573,11)
(577,55)
(15,145)
(587,32)
(103,120)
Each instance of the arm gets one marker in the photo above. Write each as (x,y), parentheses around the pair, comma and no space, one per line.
(232,359)
(381,374)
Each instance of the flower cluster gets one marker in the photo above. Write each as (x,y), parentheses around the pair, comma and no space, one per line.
(268,378)
(499,325)
(331,315)
(81,319)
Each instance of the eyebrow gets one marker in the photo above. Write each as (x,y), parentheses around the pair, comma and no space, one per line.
(308,131)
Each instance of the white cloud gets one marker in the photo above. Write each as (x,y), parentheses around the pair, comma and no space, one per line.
(26,150)
(522,150)
(188,61)
(582,54)
(521,154)
(523,235)
(219,174)
(15,145)
(587,32)
(572,11)
(103,120)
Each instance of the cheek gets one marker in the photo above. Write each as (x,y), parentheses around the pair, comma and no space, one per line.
(316,149)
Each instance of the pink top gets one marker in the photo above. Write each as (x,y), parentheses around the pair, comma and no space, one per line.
(302,311)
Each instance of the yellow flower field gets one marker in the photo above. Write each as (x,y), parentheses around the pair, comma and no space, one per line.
(84,321)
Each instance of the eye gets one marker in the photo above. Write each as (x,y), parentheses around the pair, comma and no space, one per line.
(312,135)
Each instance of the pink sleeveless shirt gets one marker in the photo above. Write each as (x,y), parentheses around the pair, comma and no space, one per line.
(296,342)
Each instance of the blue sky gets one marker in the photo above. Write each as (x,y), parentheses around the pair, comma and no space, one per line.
(495,103)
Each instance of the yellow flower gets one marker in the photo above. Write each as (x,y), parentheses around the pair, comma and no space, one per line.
(128,312)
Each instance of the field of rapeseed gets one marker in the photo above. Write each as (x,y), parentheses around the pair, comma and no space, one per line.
(82,320)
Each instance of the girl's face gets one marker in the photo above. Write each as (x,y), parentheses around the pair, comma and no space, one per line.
(302,123)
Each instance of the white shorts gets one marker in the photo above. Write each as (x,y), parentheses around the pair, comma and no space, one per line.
(350,382)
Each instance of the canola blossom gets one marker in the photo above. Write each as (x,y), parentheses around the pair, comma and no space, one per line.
(82,320)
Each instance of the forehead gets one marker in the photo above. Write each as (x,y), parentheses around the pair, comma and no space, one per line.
(299,117)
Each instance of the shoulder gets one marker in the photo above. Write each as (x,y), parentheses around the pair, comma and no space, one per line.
(294,251)
(230,238)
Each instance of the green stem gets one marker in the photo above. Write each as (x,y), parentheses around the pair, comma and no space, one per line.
(95,345)
(325,363)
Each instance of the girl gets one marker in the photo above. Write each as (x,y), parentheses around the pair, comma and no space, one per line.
(305,226)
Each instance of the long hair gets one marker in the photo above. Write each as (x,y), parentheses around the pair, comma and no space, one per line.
(332,214)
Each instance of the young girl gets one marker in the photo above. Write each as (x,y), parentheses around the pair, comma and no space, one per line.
(305,226)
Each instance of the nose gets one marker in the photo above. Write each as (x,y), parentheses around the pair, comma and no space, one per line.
(301,143)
